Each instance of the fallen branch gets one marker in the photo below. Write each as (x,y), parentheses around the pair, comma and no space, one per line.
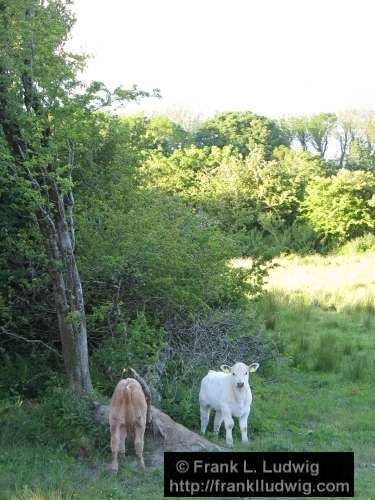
(165,435)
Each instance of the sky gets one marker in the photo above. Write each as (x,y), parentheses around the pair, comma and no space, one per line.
(273,57)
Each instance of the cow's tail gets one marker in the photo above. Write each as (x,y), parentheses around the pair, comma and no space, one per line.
(133,411)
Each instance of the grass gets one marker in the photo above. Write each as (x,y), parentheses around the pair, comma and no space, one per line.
(33,466)
(335,282)
(318,396)
(325,309)
(322,315)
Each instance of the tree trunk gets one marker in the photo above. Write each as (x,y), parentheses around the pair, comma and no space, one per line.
(344,146)
(68,295)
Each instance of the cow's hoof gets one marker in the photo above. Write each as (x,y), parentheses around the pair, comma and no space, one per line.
(113,470)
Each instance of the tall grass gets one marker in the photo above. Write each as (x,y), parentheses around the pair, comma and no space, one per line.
(39,494)
(362,244)
(322,312)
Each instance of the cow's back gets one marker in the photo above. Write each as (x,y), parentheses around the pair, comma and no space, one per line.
(214,389)
(128,404)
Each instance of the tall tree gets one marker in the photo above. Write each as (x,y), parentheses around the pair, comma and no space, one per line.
(311,132)
(319,128)
(44,115)
(361,151)
(296,127)
(242,130)
(345,133)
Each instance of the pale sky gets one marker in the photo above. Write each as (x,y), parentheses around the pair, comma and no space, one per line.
(272,57)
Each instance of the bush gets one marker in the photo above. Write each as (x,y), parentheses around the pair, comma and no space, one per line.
(277,238)
(259,194)
(26,375)
(67,418)
(341,207)
(137,345)
(160,257)
(60,419)
(362,244)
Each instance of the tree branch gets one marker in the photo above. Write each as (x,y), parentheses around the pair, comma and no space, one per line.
(30,341)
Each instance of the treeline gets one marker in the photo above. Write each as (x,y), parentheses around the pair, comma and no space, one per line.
(298,184)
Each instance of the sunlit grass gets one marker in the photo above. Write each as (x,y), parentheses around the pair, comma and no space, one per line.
(336,282)
(323,310)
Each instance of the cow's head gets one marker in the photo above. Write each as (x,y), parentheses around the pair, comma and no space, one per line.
(240,373)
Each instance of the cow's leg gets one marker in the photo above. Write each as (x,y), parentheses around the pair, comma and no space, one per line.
(243,427)
(115,445)
(139,432)
(205,416)
(218,421)
(122,439)
(228,422)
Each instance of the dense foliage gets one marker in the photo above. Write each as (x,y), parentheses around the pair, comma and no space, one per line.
(243,131)
(342,207)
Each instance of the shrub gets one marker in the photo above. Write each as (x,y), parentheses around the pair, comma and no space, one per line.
(275,238)
(26,375)
(162,257)
(137,346)
(67,418)
(259,194)
(342,206)
(362,244)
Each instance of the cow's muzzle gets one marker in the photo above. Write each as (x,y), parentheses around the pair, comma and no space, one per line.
(240,385)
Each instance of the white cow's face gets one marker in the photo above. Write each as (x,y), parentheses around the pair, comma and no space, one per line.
(239,375)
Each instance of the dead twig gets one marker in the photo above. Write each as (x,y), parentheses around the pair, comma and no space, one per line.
(146,391)
(30,341)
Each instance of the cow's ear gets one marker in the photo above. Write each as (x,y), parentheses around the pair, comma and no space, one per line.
(253,367)
(225,368)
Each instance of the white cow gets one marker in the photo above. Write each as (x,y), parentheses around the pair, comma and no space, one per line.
(228,393)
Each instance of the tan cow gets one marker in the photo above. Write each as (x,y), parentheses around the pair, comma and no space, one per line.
(127,414)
